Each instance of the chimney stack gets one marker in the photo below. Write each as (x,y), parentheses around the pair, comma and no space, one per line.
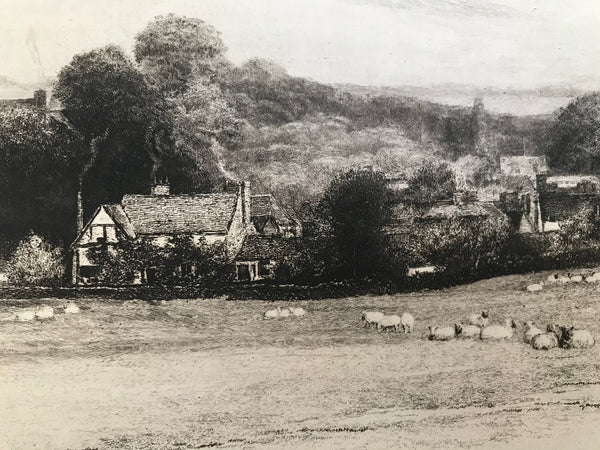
(246,202)
(161,187)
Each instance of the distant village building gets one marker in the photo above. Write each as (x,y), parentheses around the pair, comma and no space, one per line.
(218,217)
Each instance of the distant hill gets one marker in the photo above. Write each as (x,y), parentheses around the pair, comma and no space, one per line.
(519,102)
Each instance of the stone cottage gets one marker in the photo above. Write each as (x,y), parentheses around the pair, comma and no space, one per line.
(158,217)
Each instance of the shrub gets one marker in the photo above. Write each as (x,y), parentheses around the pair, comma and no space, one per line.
(36,262)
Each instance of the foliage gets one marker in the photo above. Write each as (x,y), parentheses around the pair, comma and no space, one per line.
(357,206)
(580,230)
(37,174)
(464,246)
(473,172)
(432,182)
(173,50)
(36,262)
(180,262)
(575,137)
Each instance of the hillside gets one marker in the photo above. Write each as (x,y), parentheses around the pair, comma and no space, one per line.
(298,133)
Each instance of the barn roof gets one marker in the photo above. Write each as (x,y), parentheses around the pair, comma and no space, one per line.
(200,213)
(118,214)
(265,205)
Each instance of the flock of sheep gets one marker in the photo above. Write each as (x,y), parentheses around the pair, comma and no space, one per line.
(284,312)
(564,279)
(477,326)
(42,313)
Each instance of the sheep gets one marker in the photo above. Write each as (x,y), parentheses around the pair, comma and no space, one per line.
(544,341)
(272,313)
(594,278)
(480,320)
(44,313)
(371,317)
(408,322)
(25,315)
(297,311)
(386,322)
(530,331)
(576,279)
(552,278)
(563,279)
(467,331)
(572,338)
(535,287)
(498,331)
(285,312)
(72,308)
(441,333)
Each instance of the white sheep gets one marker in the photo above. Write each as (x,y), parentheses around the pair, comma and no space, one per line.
(535,287)
(530,331)
(72,308)
(572,338)
(552,278)
(25,315)
(272,313)
(284,312)
(563,279)
(386,322)
(576,279)
(44,313)
(467,331)
(297,311)
(499,331)
(545,341)
(594,278)
(371,317)
(441,333)
(481,319)
(408,322)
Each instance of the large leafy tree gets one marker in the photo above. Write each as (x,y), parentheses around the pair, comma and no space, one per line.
(38,175)
(356,206)
(124,122)
(432,182)
(174,50)
(575,143)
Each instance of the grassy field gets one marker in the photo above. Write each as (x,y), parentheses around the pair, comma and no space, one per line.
(193,374)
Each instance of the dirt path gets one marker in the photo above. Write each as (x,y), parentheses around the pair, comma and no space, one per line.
(339,397)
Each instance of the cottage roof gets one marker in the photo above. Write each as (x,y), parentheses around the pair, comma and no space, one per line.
(265,205)
(516,183)
(441,212)
(256,247)
(571,181)
(200,213)
(523,165)
(118,214)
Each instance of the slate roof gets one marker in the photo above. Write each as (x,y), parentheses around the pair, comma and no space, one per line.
(200,213)
(265,205)
(118,214)
(256,248)
(468,210)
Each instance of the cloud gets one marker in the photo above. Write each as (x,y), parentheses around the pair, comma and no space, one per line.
(483,8)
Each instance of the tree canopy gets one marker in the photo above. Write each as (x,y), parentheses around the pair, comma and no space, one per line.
(432,182)
(172,50)
(357,207)
(575,146)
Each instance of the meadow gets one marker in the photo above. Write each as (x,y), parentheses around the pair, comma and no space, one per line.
(213,373)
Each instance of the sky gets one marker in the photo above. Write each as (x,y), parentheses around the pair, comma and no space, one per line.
(500,43)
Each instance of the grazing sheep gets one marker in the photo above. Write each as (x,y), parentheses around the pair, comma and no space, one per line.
(284,312)
(594,278)
(44,313)
(408,322)
(480,320)
(564,279)
(499,331)
(530,331)
(72,308)
(441,333)
(371,317)
(467,331)
(572,338)
(25,315)
(387,322)
(535,287)
(544,341)
(297,311)
(576,279)
(552,278)
(272,313)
